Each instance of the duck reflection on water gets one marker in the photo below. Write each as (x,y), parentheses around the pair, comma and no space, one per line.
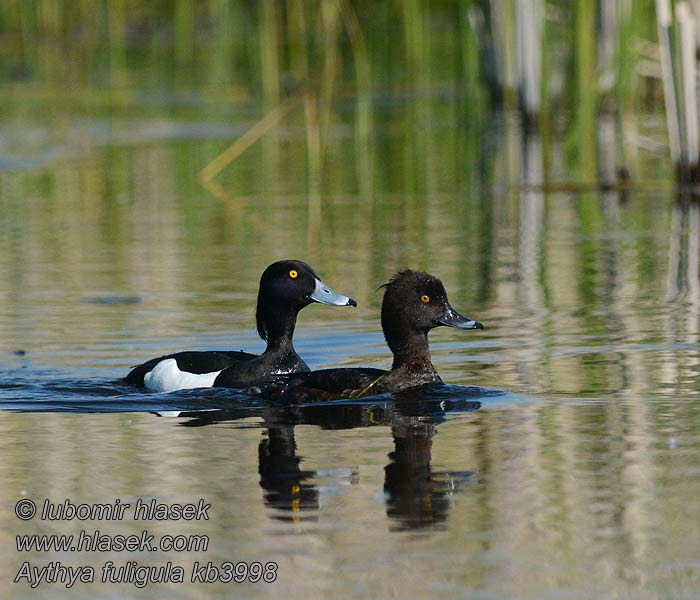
(416,495)
(286,487)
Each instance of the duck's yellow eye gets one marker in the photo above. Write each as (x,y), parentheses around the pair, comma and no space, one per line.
(425,299)
(293,274)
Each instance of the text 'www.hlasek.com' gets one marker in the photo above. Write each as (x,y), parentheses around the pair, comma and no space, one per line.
(102,540)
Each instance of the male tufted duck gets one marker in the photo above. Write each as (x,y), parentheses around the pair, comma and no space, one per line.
(286,287)
(414,303)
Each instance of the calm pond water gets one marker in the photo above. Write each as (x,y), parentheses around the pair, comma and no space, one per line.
(572,471)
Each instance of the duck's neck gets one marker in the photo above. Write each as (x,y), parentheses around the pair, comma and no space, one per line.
(280,326)
(412,354)
(279,323)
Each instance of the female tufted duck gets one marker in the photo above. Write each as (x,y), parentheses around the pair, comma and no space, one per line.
(285,288)
(414,303)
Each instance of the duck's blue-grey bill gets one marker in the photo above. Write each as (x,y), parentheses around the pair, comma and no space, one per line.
(326,295)
(453,319)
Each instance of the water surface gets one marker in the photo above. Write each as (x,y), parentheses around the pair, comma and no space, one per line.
(572,472)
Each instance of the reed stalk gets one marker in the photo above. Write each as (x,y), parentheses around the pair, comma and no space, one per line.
(363,87)
(329,34)
(470,31)
(626,81)
(50,19)
(269,52)
(183,32)
(679,64)
(28,28)
(116,22)
(530,17)
(504,47)
(517,32)
(664,23)
(297,45)
(585,75)
(688,48)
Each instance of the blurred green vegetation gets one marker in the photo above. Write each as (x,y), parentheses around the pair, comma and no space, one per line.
(269,49)
(350,61)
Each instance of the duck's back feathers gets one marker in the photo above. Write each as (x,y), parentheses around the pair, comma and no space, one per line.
(327,384)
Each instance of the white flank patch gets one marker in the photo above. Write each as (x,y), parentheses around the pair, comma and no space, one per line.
(170,414)
(167,377)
